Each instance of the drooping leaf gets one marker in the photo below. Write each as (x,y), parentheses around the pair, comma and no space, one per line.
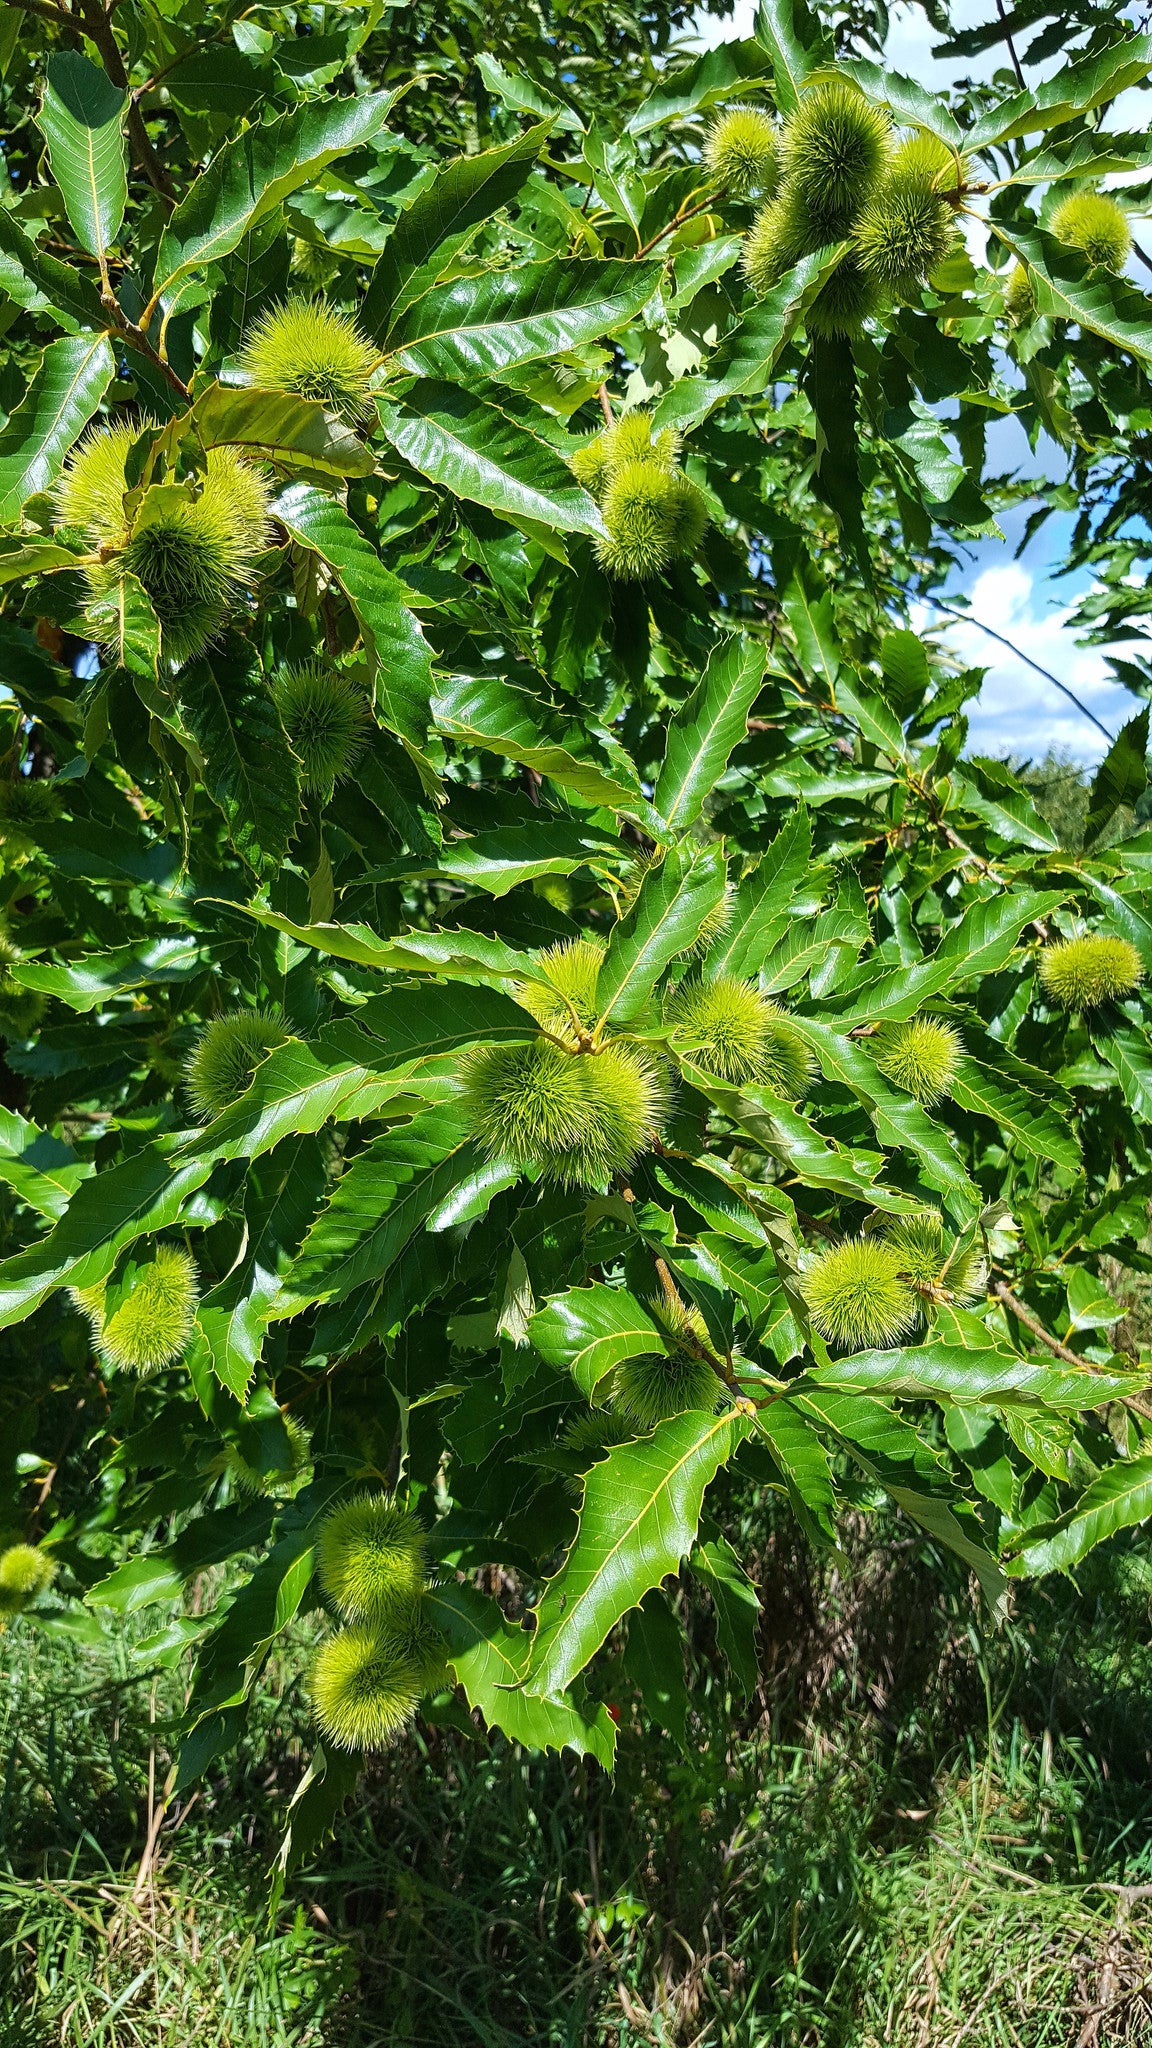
(1121,778)
(40,1169)
(82,121)
(232,1317)
(1067,289)
(249,771)
(639,1519)
(736,1607)
(488,1655)
(484,711)
(992,1378)
(794,40)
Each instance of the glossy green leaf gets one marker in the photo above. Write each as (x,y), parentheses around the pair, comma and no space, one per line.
(252,173)
(705,729)
(37,280)
(65,389)
(899,1119)
(94,979)
(274,426)
(1067,289)
(484,711)
(994,1379)
(654,1662)
(387,1192)
(744,360)
(1076,88)
(1001,1093)
(639,1519)
(460,441)
(979,943)
(40,1169)
(500,860)
(664,922)
(720,74)
(588,1330)
(480,326)
(1118,1498)
(82,120)
(140,1194)
(794,40)
(464,193)
(402,659)
(488,1655)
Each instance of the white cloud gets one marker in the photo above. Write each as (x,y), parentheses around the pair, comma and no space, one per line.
(1018,711)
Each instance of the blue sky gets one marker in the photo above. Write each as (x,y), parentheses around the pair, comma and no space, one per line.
(1017,711)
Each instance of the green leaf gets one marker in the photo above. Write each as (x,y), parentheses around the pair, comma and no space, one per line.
(899,1120)
(1121,778)
(387,1193)
(684,90)
(638,1522)
(279,1201)
(82,121)
(461,955)
(500,860)
(590,1329)
(736,1608)
(401,657)
(122,1203)
(478,326)
(743,363)
(252,173)
(794,40)
(978,944)
(803,1461)
(1001,1092)
(1129,1055)
(1076,89)
(319,1798)
(914,105)
(91,981)
(20,557)
(457,439)
(1118,1499)
(463,194)
(523,94)
(990,789)
(994,1379)
(274,426)
(488,1655)
(40,1169)
(248,769)
(133,630)
(1067,289)
(38,281)
(895,1456)
(485,711)
(706,728)
(760,907)
(672,903)
(654,1661)
(65,389)
(409,1049)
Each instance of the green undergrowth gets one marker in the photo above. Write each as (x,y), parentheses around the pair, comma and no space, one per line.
(922,1831)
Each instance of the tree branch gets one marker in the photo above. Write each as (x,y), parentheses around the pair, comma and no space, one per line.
(1033,1323)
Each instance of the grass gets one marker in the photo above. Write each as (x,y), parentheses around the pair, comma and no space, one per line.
(922,1833)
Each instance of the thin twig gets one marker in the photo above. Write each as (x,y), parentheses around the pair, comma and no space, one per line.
(677,222)
(1033,1323)
(1011,49)
(605,405)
